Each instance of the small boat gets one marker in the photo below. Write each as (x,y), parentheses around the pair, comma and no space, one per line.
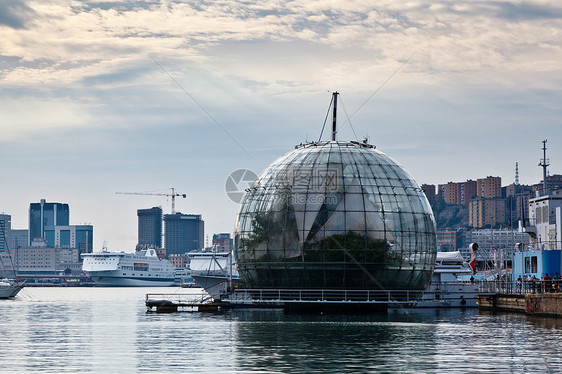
(214,271)
(9,288)
(446,289)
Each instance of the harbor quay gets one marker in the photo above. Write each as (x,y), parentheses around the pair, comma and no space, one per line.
(540,297)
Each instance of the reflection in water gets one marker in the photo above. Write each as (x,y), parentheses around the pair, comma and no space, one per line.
(108,330)
(331,343)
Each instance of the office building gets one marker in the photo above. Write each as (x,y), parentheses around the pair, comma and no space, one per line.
(18,238)
(75,236)
(43,217)
(183,233)
(5,228)
(150,227)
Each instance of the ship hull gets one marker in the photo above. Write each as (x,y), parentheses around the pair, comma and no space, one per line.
(7,292)
(119,281)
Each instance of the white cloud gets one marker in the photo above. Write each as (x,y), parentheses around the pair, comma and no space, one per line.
(79,74)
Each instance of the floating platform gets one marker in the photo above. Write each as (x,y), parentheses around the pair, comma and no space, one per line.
(170,303)
(311,301)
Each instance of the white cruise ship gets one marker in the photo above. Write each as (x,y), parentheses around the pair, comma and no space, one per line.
(121,269)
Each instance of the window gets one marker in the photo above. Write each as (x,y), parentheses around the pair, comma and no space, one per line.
(534,264)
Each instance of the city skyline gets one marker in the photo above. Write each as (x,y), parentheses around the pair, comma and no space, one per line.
(100,97)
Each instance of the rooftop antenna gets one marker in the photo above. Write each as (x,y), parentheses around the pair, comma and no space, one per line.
(334,115)
(517,173)
(544,163)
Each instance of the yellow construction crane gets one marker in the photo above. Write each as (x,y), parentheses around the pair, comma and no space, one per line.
(173,195)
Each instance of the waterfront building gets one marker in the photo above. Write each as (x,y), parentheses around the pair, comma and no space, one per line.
(183,233)
(150,227)
(335,215)
(536,263)
(223,242)
(5,228)
(41,260)
(80,237)
(43,217)
(545,222)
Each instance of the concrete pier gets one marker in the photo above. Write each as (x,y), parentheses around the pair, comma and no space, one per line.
(543,304)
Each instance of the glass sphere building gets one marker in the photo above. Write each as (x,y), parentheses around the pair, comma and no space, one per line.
(335,215)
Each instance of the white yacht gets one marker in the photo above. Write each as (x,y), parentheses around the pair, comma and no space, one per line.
(446,290)
(214,271)
(122,269)
(9,288)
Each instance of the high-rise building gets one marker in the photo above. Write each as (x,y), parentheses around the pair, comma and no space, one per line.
(453,193)
(183,233)
(223,242)
(429,191)
(18,238)
(75,236)
(5,228)
(484,212)
(489,187)
(43,217)
(468,191)
(150,227)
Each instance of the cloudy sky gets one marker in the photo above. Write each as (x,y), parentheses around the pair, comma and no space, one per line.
(104,96)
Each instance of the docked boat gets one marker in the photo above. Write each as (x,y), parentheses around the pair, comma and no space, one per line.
(121,269)
(446,289)
(214,271)
(9,288)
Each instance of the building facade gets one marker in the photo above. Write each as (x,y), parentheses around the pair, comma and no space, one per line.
(223,242)
(150,227)
(43,217)
(19,238)
(429,191)
(446,241)
(545,221)
(80,237)
(489,187)
(453,193)
(5,228)
(483,212)
(183,233)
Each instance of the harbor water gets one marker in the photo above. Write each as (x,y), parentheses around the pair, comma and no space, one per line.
(107,330)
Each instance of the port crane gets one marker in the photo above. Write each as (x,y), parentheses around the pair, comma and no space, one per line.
(173,195)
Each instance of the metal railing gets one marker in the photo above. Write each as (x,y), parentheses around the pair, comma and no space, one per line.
(521,287)
(322,296)
(178,298)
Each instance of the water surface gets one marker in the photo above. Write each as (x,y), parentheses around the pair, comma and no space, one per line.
(107,330)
